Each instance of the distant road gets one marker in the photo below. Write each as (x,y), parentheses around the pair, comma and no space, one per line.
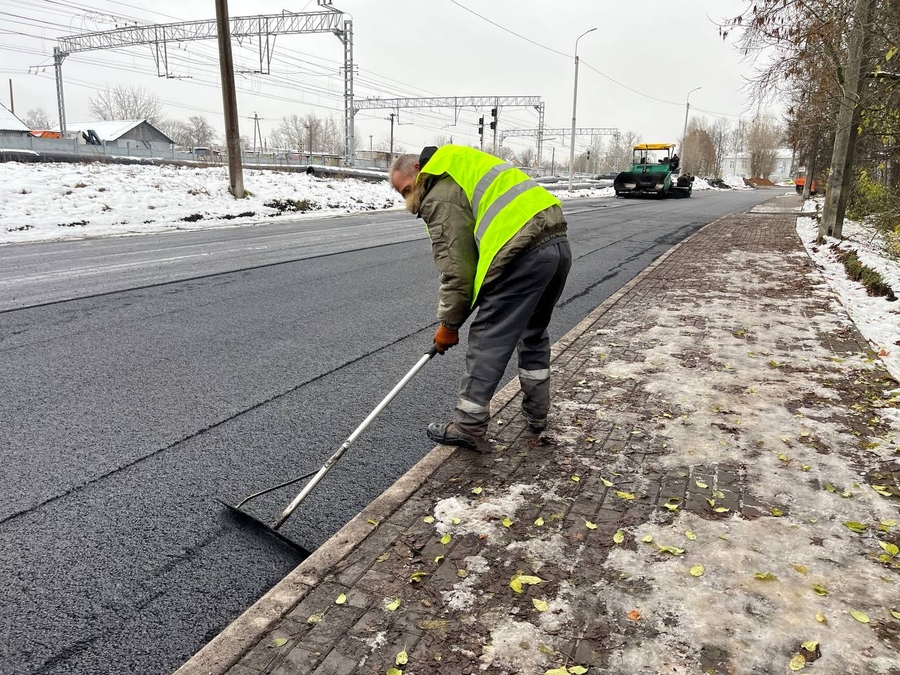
(142,377)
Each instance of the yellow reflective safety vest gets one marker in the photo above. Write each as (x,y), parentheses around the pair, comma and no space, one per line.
(503,198)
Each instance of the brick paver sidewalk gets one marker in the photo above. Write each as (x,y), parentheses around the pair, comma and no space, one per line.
(717,493)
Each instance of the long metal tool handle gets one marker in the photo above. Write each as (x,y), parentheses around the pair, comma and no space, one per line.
(350,439)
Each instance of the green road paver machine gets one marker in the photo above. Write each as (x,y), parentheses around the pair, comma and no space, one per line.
(654,171)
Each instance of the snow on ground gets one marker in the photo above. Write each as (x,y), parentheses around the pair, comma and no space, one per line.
(56,200)
(877,318)
(71,201)
(736,182)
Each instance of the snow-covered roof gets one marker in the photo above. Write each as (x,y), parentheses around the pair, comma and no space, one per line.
(9,122)
(107,130)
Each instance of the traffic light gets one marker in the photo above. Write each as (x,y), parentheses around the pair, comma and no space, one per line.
(493,124)
(481,126)
(494,113)
(589,155)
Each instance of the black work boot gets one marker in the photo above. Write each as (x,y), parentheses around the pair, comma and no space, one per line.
(536,424)
(450,434)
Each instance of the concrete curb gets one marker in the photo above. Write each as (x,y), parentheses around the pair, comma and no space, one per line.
(229,646)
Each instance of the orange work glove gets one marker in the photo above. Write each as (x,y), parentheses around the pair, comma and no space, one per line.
(444,338)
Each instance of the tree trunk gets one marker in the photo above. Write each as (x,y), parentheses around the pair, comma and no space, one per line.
(811,168)
(844,142)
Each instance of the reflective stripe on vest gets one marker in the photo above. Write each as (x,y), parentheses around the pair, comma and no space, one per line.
(502,197)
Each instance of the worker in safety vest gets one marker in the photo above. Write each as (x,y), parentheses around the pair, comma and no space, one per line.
(499,242)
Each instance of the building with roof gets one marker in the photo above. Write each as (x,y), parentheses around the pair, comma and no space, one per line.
(738,164)
(10,125)
(120,134)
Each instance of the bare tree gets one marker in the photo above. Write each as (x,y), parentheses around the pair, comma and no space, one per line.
(177,130)
(720,135)
(763,138)
(201,131)
(527,157)
(126,103)
(290,133)
(37,118)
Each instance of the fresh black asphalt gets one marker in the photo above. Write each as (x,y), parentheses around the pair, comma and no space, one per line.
(143,377)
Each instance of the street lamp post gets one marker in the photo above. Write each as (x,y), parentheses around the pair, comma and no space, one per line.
(574,108)
(687,109)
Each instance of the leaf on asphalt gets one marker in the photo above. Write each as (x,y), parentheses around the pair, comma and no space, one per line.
(576,477)
(315,618)
(633,615)
(674,550)
(540,521)
(507,522)
(394,671)
(718,494)
(856,527)
(800,568)
(882,490)
(764,576)
(383,557)
(539,605)
(798,662)
(577,670)
(820,590)
(557,671)
(446,539)
(428,519)
(888,524)
(810,645)
(372,521)
(402,658)
(393,605)
(821,617)
(805,467)
(607,483)
(438,558)
(477,491)
(804,433)
(619,537)
(774,363)
(589,525)
(416,577)
(519,580)
(894,614)
(783,457)
(711,502)
(279,642)
(846,494)
(462,574)
(700,484)
(341,599)
(690,535)
(830,487)
(777,512)
(697,570)
(721,509)
(624,495)
(647,539)
(671,507)
(859,616)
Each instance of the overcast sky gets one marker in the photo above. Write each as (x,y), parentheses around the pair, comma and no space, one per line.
(655,50)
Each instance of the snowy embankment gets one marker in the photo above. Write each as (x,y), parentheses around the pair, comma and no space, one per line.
(877,318)
(57,201)
(69,201)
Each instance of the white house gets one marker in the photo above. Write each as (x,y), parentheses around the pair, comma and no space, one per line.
(738,164)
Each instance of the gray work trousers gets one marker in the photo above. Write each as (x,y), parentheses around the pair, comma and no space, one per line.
(514,312)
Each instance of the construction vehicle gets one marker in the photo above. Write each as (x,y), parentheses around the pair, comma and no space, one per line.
(800,182)
(654,170)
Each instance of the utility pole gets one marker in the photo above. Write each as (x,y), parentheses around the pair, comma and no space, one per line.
(391,156)
(12,101)
(495,113)
(553,161)
(229,100)
(255,126)
(847,132)
(574,108)
(687,110)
